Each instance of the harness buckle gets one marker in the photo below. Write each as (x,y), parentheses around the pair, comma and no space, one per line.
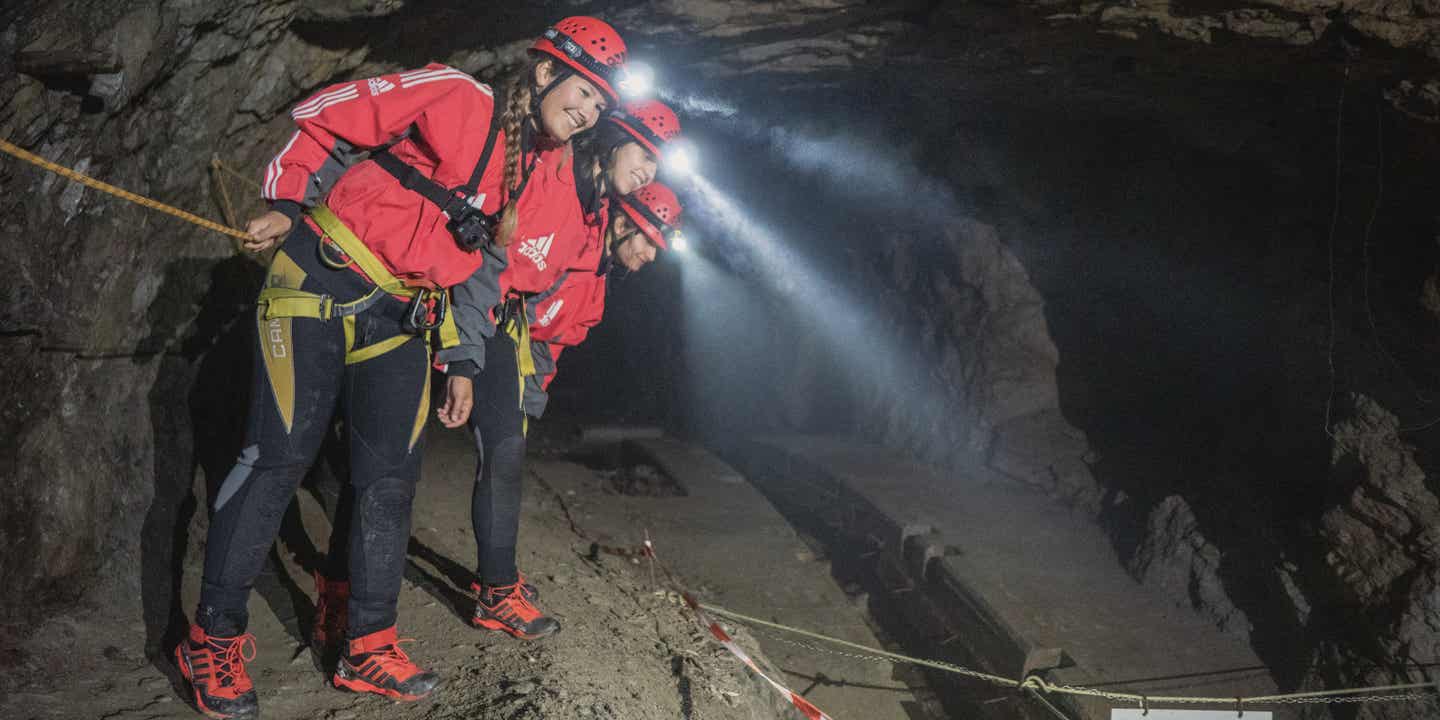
(510,310)
(427,311)
(327,307)
(334,263)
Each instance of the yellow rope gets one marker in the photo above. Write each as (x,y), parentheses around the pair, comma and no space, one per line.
(88,181)
(1039,685)
(217,166)
(217,162)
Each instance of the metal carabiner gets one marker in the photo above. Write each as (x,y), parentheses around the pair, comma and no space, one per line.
(425,305)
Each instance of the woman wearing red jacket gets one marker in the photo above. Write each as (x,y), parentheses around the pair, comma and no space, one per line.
(624,153)
(346,314)
(649,222)
(618,158)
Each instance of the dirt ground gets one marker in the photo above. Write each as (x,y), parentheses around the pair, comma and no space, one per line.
(626,650)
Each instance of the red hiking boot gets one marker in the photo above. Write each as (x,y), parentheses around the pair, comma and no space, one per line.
(215,669)
(376,664)
(507,608)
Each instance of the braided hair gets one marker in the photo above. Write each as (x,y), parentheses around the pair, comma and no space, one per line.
(518,95)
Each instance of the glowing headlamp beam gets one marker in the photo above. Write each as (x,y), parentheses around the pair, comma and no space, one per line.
(681,160)
(637,81)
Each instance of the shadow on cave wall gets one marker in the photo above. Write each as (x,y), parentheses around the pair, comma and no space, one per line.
(199,406)
(447,26)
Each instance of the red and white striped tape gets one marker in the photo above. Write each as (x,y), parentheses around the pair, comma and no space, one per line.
(804,706)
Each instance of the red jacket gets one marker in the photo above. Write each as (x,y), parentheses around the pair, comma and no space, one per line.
(563,316)
(442,117)
(443,114)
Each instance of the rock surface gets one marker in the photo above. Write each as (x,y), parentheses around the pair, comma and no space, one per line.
(992,393)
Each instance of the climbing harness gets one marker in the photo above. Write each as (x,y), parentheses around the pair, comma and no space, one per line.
(514,317)
(427,309)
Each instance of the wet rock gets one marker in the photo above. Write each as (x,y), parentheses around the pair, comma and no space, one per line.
(524,687)
(1176,559)
(332,10)
(995,398)
(1387,524)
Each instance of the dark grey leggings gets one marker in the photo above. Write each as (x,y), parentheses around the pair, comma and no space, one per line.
(300,377)
(499,427)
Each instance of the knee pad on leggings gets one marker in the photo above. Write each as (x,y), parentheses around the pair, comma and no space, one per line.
(381,532)
(377,552)
(384,515)
(507,457)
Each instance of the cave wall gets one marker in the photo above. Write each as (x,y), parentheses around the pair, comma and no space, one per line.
(1220,248)
(109,290)
(127,339)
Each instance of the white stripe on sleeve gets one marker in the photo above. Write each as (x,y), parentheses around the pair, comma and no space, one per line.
(316,110)
(272,174)
(322,97)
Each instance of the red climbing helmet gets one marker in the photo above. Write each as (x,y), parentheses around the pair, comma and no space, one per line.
(656,211)
(651,122)
(588,46)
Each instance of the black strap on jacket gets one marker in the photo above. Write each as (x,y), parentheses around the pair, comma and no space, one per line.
(412,179)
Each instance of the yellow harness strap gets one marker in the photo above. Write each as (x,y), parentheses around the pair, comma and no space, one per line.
(282,302)
(448,334)
(380,348)
(356,250)
(518,328)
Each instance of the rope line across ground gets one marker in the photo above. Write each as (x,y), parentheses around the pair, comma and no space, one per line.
(1380,693)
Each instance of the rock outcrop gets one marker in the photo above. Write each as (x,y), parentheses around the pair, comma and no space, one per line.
(971,374)
(1412,27)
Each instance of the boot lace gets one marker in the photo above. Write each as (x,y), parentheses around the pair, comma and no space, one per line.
(393,656)
(230,663)
(512,598)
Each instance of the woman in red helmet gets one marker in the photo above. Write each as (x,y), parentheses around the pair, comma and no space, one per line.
(348,307)
(623,155)
(648,222)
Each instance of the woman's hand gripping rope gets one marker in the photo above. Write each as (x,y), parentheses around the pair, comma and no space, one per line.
(265,230)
